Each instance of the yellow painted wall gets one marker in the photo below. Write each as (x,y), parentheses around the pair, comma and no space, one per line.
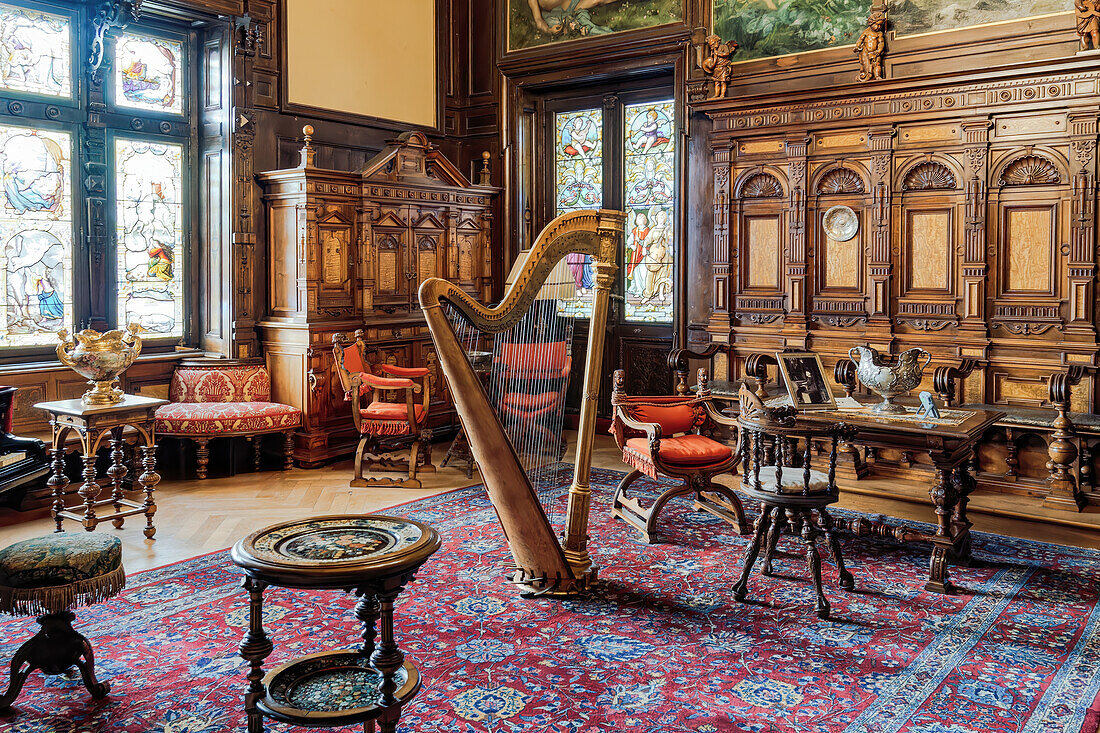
(369,57)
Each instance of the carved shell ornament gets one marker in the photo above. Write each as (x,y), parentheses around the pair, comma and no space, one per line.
(762,186)
(929,176)
(1029,170)
(840,180)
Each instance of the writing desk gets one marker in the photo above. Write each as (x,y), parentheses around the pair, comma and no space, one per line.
(949,443)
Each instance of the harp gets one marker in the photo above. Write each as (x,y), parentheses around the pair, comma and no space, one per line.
(527,318)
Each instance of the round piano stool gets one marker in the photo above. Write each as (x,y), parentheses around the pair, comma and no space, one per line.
(373,557)
(46,577)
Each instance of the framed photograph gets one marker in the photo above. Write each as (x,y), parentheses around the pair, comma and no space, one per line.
(804,376)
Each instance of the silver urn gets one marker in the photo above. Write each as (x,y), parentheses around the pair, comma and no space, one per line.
(889,380)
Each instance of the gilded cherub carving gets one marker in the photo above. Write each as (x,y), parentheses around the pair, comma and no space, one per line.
(871,45)
(1088,23)
(718,64)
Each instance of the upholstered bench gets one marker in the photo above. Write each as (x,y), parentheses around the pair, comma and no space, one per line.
(47,576)
(215,399)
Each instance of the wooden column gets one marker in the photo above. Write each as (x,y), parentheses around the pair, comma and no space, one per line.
(720,324)
(880,268)
(794,322)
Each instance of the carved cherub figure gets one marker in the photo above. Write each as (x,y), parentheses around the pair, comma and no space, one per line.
(1088,23)
(719,66)
(871,45)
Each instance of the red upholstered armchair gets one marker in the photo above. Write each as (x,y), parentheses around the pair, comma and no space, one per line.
(532,395)
(384,426)
(215,399)
(661,436)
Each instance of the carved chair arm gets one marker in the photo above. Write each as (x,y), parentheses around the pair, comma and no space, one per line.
(652,430)
(373,381)
(408,372)
(944,378)
(756,366)
(678,362)
(844,374)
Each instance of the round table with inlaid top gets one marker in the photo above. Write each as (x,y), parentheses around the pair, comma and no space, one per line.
(371,556)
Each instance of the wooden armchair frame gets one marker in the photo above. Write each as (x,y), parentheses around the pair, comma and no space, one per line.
(379,438)
(717,499)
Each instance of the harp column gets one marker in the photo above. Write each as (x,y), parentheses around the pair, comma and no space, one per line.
(580,493)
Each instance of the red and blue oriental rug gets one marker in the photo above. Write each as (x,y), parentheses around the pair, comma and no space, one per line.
(660,647)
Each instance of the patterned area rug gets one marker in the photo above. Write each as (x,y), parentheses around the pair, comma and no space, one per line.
(660,648)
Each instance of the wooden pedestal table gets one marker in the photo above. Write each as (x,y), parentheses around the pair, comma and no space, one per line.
(374,556)
(96,424)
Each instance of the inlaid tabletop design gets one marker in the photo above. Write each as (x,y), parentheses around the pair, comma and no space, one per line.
(335,540)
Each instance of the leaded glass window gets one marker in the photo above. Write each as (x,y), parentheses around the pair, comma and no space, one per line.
(650,164)
(148,73)
(578,169)
(149,219)
(35,52)
(36,234)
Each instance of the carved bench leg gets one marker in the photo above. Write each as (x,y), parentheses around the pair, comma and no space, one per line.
(202,457)
(288,450)
(256,442)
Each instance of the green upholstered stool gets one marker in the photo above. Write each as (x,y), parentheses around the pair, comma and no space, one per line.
(47,576)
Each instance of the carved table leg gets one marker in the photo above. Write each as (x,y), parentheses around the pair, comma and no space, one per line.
(202,457)
(117,472)
(254,649)
(89,490)
(1011,460)
(58,481)
(148,481)
(943,503)
(387,658)
(740,588)
(963,482)
(367,611)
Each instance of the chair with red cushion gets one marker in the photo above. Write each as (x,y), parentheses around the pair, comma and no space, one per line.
(213,398)
(673,446)
(384,426)
(532,397)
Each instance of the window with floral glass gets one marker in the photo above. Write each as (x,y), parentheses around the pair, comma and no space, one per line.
(644,188)
(72,173)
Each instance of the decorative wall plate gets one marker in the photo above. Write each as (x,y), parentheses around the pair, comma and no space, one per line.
(840,223)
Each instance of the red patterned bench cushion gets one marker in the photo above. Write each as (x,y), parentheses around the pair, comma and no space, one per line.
(220,384)
(213,418)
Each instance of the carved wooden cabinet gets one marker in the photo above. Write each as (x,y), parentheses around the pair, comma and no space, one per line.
(975,210)
(348,250)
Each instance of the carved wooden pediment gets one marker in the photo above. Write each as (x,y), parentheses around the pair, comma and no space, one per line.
(410,158)
(841,180)
(929,176)
(1029,170)
(389,219)
(429,221)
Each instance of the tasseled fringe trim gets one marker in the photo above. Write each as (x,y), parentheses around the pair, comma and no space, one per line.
(384,427)
(641,463)
(54,599)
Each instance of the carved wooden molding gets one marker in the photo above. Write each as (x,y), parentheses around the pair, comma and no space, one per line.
(929,176)
(841,180)
(761,186)
(1029,170)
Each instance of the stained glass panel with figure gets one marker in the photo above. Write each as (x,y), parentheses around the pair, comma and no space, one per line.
(578,168)
(36,234)
(35,52)
(148,73)
(650,177)
(148,188)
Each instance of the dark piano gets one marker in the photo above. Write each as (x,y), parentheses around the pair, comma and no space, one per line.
(23,461)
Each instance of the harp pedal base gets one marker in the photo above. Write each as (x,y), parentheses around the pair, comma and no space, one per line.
(558,586)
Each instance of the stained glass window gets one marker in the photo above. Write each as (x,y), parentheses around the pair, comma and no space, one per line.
(148,189)
(578,168)
(148,73)
(35,52)
(650,163)
(36,233)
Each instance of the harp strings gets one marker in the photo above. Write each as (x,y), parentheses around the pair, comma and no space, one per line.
(526,370)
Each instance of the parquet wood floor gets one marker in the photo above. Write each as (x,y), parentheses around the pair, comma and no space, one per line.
(197,517)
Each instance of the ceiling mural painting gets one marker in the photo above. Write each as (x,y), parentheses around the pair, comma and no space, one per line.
(539,22)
